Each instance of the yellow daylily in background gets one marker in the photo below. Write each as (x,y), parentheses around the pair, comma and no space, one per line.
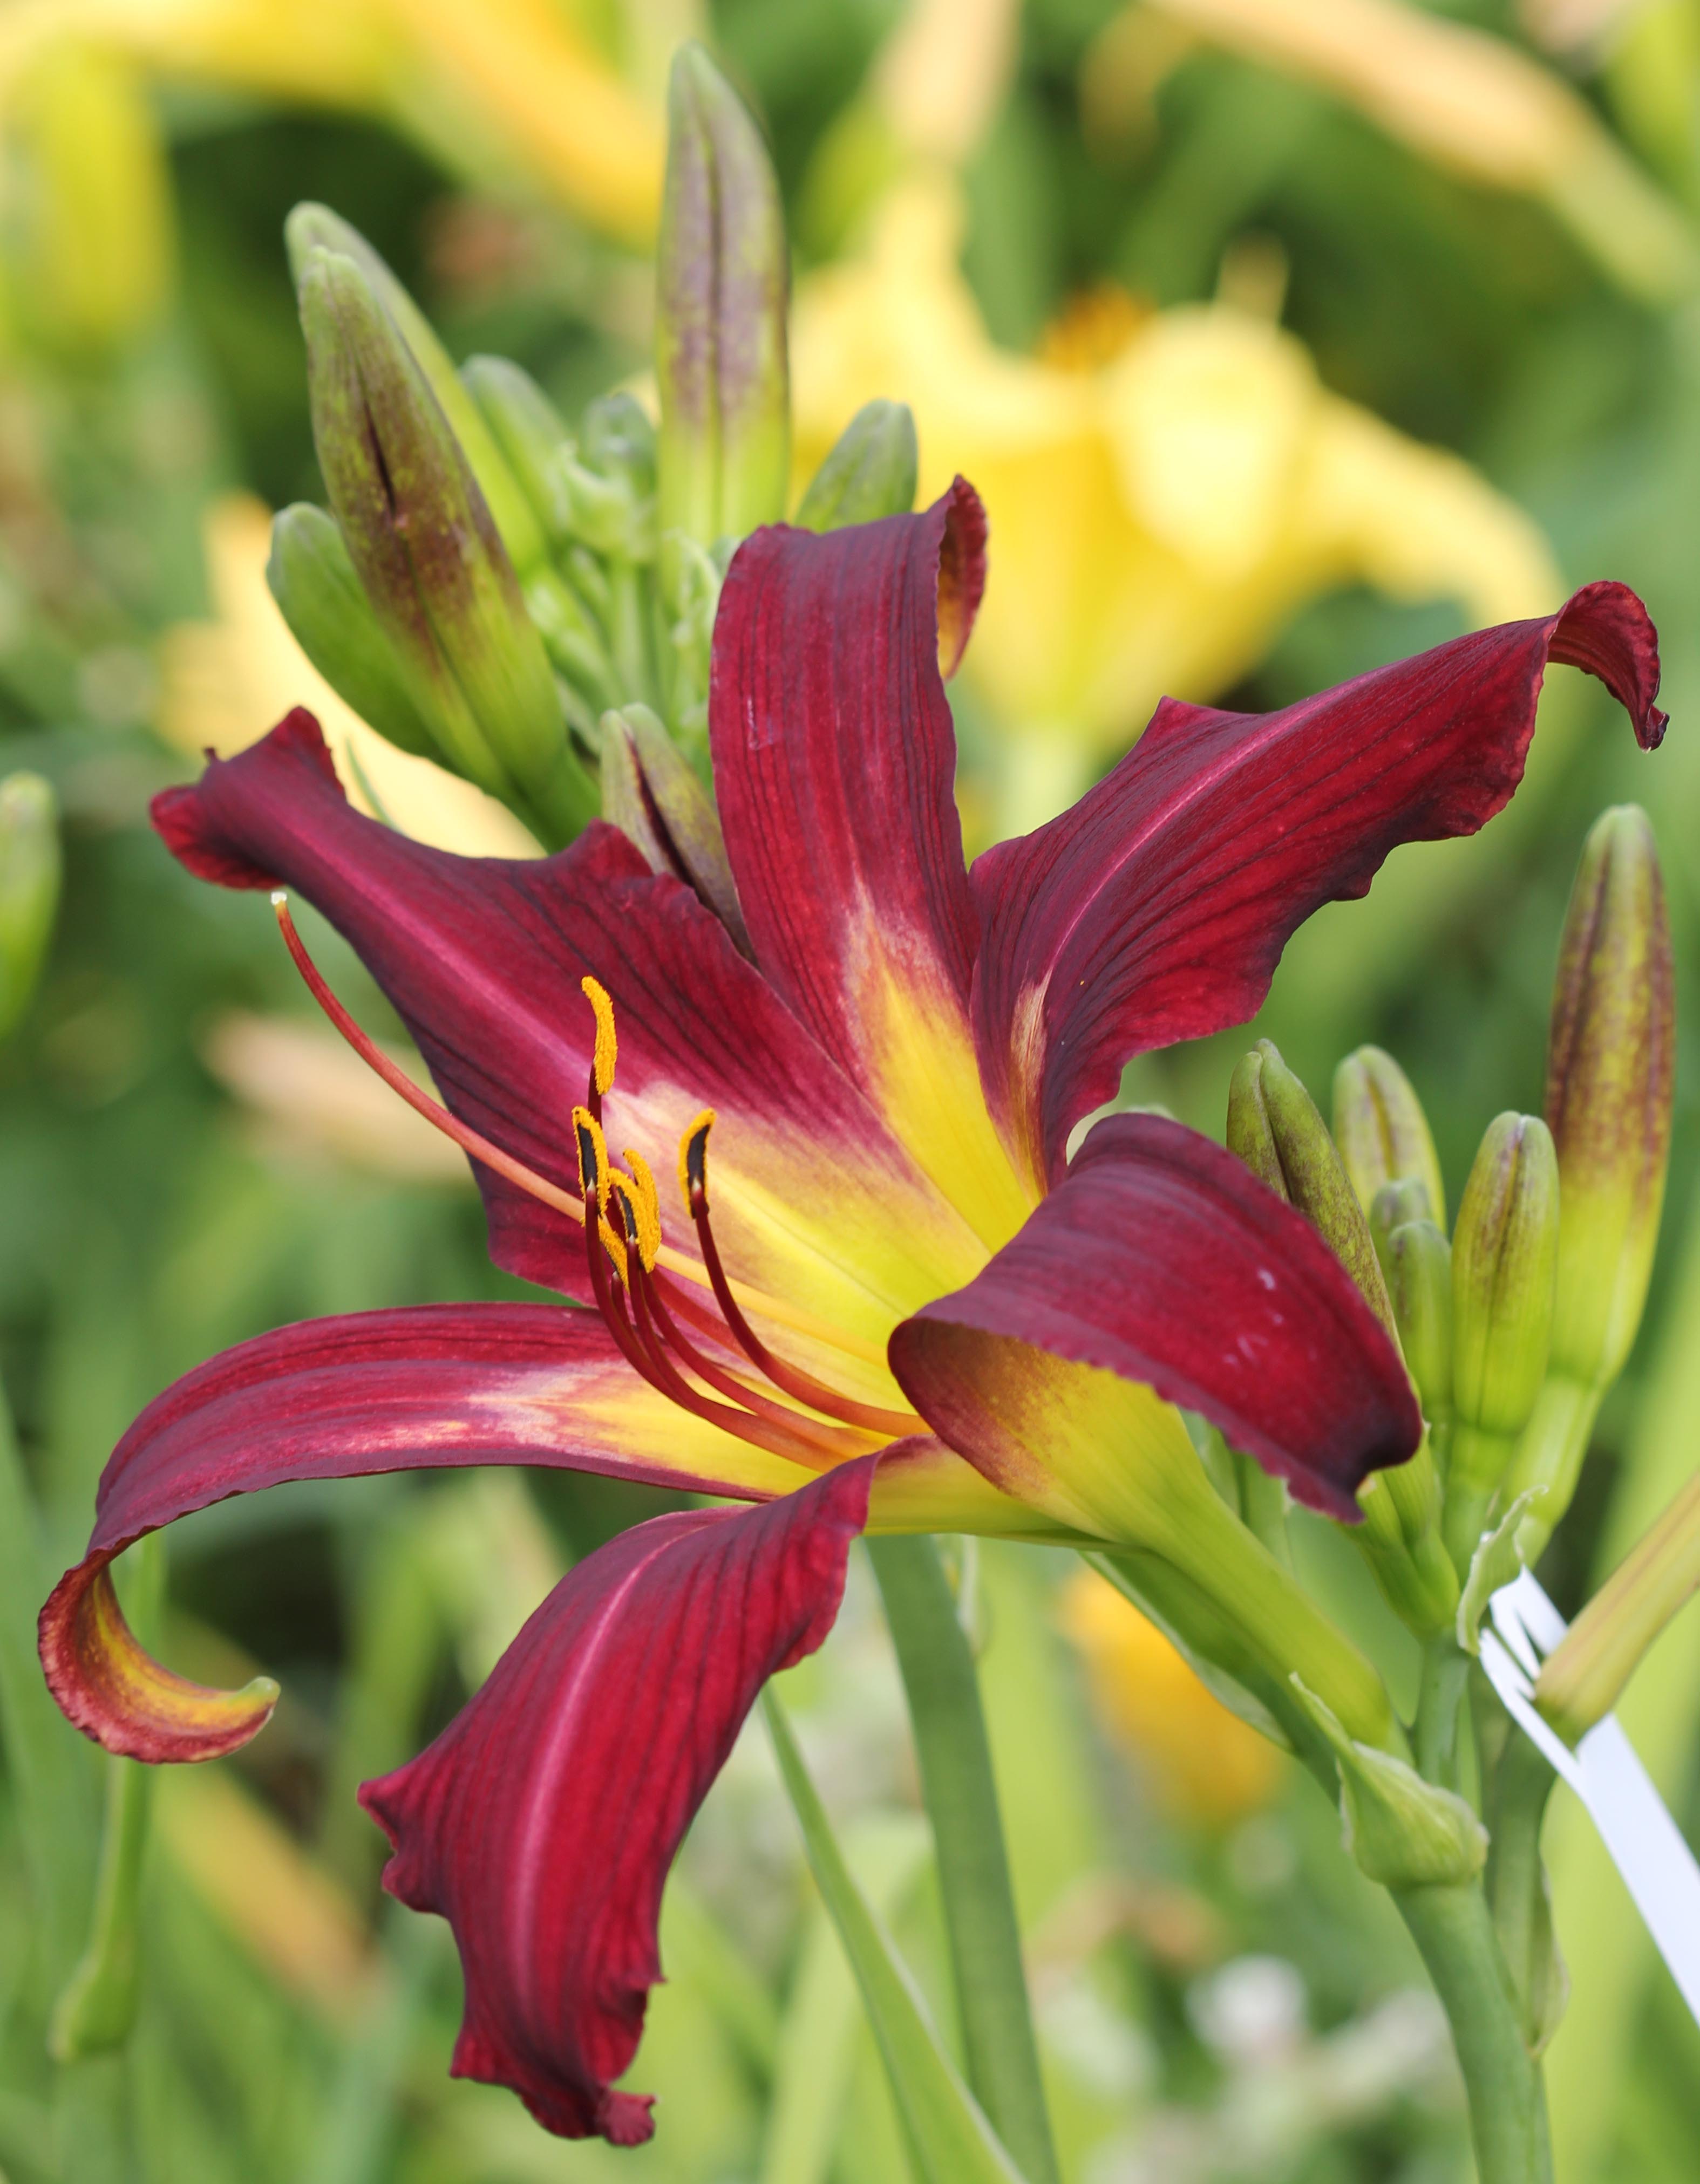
(1165,489)
(506,89)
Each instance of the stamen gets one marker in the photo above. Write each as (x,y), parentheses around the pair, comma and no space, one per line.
(492,1155)
(788,1379)
(594,1166)
(469,1139)
(607,1046)
(646,1205)
(693,1163)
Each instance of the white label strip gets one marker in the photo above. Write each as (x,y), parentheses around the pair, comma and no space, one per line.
(1646,1845)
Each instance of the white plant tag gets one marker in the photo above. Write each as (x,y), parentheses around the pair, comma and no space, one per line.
(1646,1847)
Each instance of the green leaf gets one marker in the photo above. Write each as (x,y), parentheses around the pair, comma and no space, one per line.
(951,2140)
(817,2050)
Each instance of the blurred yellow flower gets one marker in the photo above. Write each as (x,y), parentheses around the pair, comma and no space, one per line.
(89,243)
(311,1099)
(1165,489)
(506,88)
(1204,1764)
(224,683)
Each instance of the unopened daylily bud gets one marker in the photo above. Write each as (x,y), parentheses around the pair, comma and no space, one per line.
(871,472)
(1582,1679)
(316,228)
(609,490)
(722,284)
(319,595)
(533,439)
(30,873)
(1404,1832)
(1392,1207)
(420,538)
(1609,1072)
(1418,1267)
(651,791)
(1382,1132)
(1400,1538)
(1609,1069)
(1275,1129)
(1504,1255)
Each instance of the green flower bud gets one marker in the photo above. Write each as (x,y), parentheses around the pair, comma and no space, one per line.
(1418,1267)
(534,441)
(1392,1207)
(1582,1679)
(652,794)
(1609,1070)
(1400,1538)
(872,471)
(421,538)
(1274,1128)
(1402,1831)
(610,490)
(721,285)
(1382,1131)
(1504,1257)
(314,227)
(30,875)
(319,595)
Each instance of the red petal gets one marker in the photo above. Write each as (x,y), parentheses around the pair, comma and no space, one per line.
(1161,1258)
(1157,909)
(440,1385)
(541,1823)
(483,956)
(834,760)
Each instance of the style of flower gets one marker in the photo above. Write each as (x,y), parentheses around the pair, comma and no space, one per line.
(893,1301)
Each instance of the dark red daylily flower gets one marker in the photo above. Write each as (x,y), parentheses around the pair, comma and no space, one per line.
(894,1303)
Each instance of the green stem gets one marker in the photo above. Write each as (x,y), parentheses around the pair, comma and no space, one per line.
(96,2009)
(1445,1679)
(1451,1925)
(45,1758)
(1517,1883)
(955,1762)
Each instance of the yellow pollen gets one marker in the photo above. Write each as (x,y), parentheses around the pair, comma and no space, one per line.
(607,1047)
(693,1153)
(593,1170)
(646,1204)
(619,1245)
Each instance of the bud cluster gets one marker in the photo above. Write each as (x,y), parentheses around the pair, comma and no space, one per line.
(1513,1328)
(502,594)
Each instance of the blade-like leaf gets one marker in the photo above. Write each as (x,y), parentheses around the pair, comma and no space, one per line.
(948,2136)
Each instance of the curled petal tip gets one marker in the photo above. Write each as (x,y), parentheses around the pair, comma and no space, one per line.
(119,1695)
(1605,629)
(961,572)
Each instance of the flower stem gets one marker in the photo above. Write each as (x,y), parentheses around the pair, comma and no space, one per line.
(1451,1925)
(1445,1679)
(944,1694)
(1517,1883)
